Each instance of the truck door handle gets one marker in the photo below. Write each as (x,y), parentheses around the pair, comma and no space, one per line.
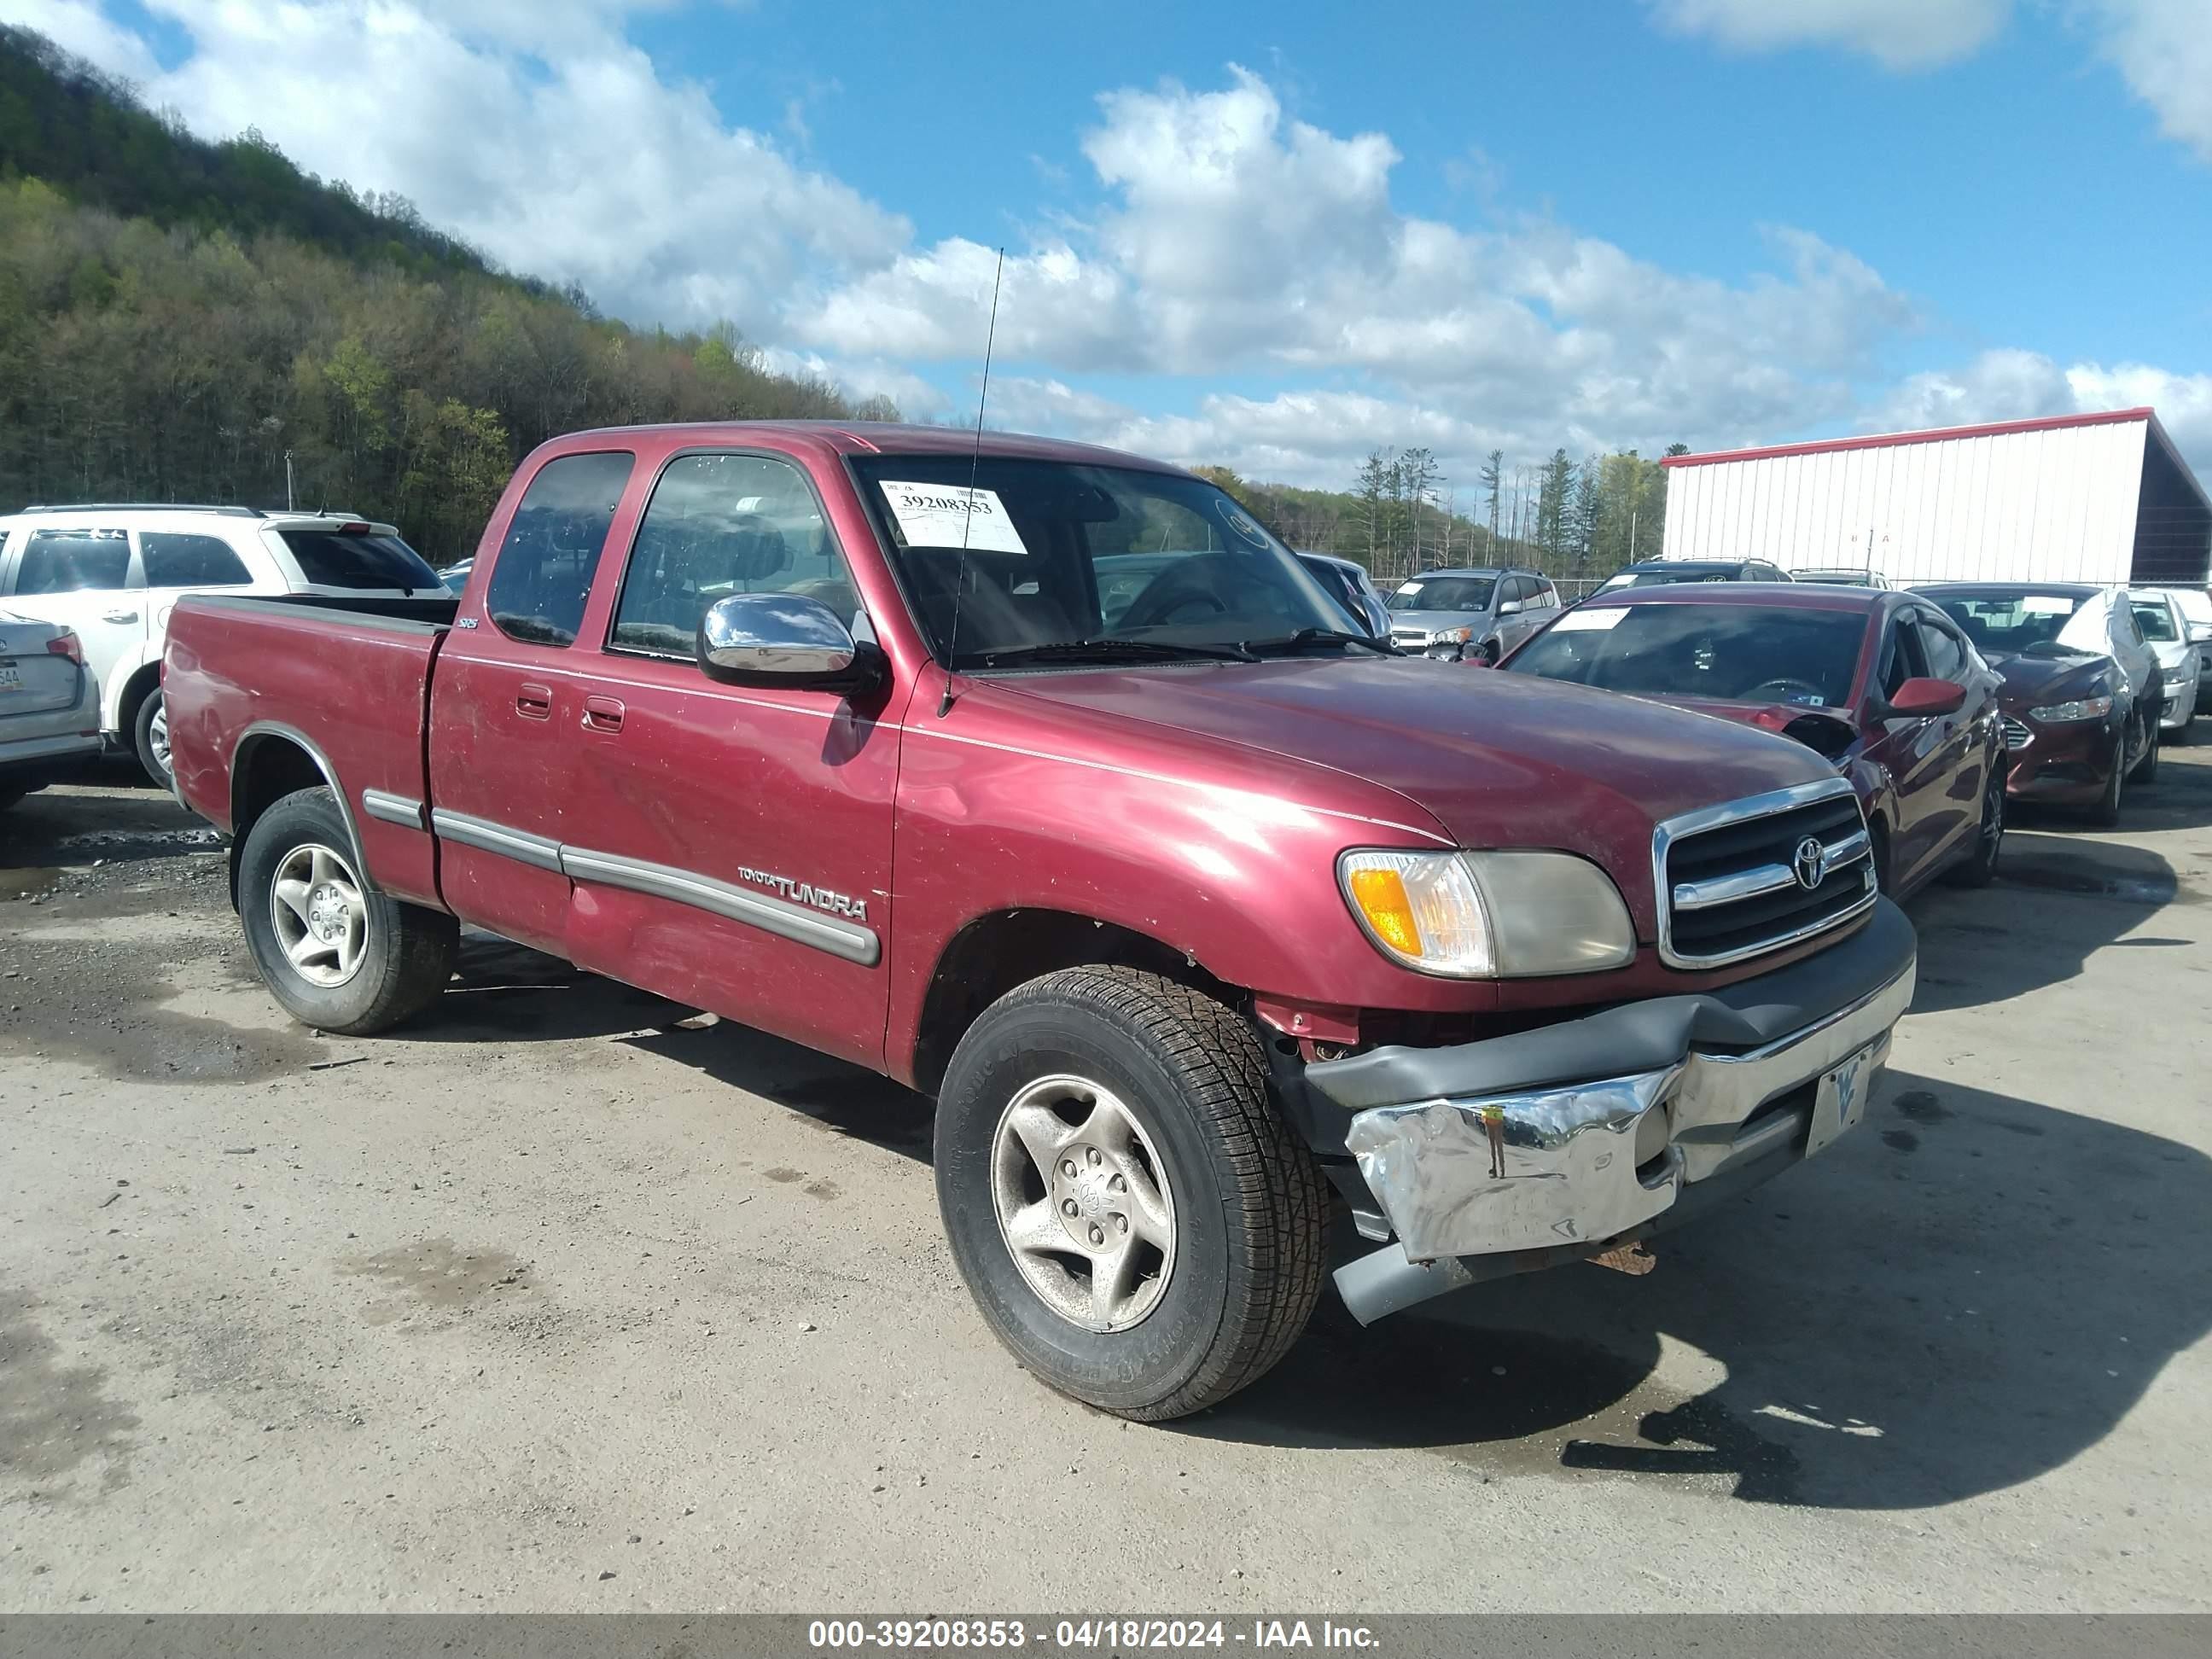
(534,703)
(603,714)
(119,616)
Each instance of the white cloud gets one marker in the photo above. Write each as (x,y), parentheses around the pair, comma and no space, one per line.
(2163,49)
(1902,35)
(2013,385)
(1236,240)
(529,127)
(79,27)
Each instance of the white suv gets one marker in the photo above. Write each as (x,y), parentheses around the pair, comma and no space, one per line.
(113,573)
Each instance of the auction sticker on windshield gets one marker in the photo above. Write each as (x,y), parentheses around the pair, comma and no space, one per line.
(1584,622)
(935,515)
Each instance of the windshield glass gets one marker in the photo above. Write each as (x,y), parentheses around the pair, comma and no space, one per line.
(331,558)
(2013,623)
(1444,593)
(1060,553)
(1723,653)
(2155,620)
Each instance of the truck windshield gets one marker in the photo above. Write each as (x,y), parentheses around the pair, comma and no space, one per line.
(336,558)
(1718,652)
(1444,594)
(1062,555)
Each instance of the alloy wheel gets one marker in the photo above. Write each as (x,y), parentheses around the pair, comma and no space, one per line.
(320,915)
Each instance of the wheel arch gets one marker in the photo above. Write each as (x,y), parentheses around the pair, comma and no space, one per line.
(274,760)
(993,953)
(130,691)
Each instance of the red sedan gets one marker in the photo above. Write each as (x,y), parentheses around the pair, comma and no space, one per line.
(1882,684)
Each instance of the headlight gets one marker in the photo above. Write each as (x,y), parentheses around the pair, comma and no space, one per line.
(2087,708)
(1488,915)
(1451,636)
(2177,677)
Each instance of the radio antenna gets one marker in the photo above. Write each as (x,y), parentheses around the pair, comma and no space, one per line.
(968,518)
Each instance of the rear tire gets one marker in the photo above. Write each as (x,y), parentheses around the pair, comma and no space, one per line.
(1102,1102)
(338,955)
(150,733)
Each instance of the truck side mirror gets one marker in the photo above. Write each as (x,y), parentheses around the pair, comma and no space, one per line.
(782,639)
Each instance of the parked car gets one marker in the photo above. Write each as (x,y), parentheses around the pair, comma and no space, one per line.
(1358,587)
(2196,606)
(112,572)
(1880,683)
(1198,917)
(1479,614)
(2178,645)
(2082,693)
(49,719)
(1841,576)
(1657,573)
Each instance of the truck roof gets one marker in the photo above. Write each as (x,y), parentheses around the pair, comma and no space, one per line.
(869,438)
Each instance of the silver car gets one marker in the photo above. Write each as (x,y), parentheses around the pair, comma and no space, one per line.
(1347,579)
(49,717)
(2178,644)
(1479,614)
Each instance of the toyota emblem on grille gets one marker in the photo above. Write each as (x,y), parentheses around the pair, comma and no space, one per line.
(1810,862)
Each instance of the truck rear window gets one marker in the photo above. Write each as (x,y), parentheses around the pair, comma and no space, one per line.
(334,558)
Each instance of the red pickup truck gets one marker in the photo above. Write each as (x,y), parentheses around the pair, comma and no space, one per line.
(1045,780)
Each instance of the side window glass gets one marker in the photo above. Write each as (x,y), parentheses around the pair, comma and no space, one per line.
(545,564)
(719,525)
(1946,652)
(74,561)
(1912,658)
(173,560)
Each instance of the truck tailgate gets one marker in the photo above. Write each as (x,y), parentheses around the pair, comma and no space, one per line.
(347,683)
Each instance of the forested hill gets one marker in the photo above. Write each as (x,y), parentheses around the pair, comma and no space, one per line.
(175,316)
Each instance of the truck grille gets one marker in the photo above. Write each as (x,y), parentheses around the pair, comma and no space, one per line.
(1731,879)
(2016,734)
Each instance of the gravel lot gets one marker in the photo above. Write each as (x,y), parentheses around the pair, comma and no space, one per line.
(562,1300)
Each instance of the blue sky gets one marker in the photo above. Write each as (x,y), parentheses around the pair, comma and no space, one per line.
(1274,237)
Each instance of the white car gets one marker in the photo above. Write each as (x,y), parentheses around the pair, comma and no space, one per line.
(2179,644)
(49,720)
(111,574)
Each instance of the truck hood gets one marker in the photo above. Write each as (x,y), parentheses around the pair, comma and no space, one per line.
(1499,760)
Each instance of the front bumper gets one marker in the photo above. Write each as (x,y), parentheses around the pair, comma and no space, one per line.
(2066,764)
(1549,1146)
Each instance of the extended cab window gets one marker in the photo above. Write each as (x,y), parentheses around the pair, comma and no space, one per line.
(72,561)
(176,561)
(718,525)
(545,567)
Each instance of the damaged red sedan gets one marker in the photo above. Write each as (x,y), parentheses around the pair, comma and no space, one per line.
(1882,684)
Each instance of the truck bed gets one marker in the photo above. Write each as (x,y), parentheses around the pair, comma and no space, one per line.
(345,681)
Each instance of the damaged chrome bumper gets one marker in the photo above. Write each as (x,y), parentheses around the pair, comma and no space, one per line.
(1528,1176)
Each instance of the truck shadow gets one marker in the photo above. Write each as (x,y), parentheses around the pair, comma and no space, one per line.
(2057,901)
(844,1099)
(1966,1293)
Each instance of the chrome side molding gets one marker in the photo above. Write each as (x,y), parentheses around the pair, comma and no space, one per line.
(388,808)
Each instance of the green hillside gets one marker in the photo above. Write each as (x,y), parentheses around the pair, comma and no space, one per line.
(177,315)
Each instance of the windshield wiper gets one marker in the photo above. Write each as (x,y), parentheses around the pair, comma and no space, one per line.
(1111,651)
(1306,636)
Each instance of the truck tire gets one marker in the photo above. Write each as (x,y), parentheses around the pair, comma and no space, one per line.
(150,732)
(338,955)
(1135,1222)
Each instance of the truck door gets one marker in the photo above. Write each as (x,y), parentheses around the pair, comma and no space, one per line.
(506,695)
(730,847)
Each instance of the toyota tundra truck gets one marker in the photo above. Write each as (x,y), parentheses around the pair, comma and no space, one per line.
(1045,780)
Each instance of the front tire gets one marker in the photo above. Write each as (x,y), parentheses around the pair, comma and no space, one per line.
(2147,769)
(338,955)
(2105,814)
(1979,867)
(1133,1220)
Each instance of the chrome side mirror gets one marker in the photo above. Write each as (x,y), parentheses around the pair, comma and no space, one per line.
(2200,633)
(1510,608)
(780,639)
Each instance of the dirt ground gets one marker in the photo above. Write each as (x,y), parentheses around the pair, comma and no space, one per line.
(560,1300)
